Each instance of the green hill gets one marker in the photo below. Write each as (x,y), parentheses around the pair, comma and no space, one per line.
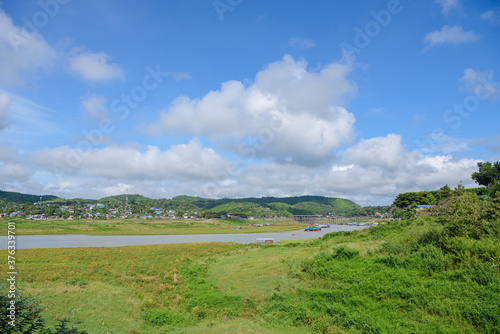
(251,206)
(136,199)
(313,205)
(14,197)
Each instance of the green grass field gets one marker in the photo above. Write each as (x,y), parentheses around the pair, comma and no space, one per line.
(402,277)
(145,227)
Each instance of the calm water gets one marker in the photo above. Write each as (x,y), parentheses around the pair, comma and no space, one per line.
(78,240)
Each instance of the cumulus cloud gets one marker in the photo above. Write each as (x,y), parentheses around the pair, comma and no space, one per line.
(14,172)
(448,5)
(481,84)
(5,102)
(301,43)
(454,35)
(12,167)
(373,171)
(95,67)
(289,113)
(492,16)
(190,161)
(95,106)
(382,167)
(386,152)
(367,184)
(22,53)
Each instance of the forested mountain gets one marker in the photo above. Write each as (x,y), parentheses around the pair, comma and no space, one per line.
(252,206)
(13,197)
(336,203)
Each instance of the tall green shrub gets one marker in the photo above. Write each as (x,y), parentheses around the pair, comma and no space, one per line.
(465,215)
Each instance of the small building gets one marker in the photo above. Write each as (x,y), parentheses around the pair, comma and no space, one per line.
(265,241)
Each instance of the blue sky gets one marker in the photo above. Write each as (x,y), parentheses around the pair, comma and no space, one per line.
(236,98)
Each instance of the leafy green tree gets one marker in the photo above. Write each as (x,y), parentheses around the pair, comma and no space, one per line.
(443,193)
(429,199)
(465,215)
(49,211)
(495,188)
(411,212)
(487,173)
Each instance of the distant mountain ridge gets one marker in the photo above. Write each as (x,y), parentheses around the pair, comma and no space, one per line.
(19,198)
(286,206)
(251,206)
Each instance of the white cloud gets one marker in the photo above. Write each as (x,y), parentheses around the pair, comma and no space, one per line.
(28,123)
(13,172)
(301,43)
(12,168)
(481,84)
(95,106)
(438,142)
(378,183)
(21,53)
(178,76)
(7,152)
(5,102)
(419,117)
(95,67)
(450,35)
(373,171)
(386,152)
(448,5)
(287,114)
(190,161)
(492,16)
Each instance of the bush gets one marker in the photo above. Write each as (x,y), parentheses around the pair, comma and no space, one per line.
(333,235)
(81,282)
(345,253)
(428,259)
(167,317)
(465,215)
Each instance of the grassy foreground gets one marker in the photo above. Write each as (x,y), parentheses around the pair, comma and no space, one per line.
(145,227)
(402,277)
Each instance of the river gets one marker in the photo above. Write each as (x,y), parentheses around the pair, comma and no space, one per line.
(80,240)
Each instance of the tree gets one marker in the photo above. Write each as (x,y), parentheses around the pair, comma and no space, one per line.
(487,173)
(464,215)
(429,199)
(495,188)
(443,193)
